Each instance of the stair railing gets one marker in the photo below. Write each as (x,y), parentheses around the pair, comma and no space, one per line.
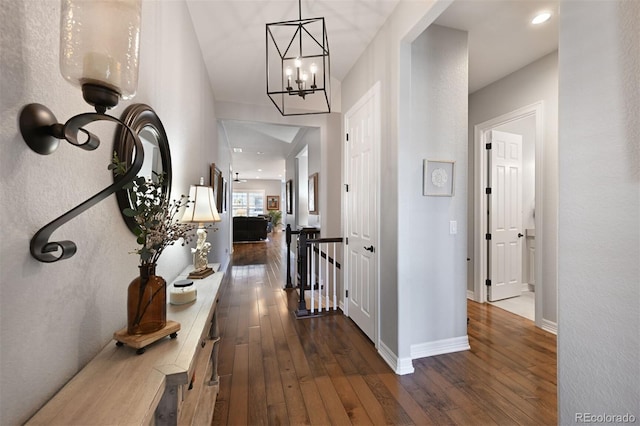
(317,271)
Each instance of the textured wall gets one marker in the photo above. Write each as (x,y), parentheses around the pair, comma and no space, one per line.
(429,258)
(599,226)
(55,317)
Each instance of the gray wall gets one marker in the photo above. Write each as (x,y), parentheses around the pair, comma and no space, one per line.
(55,317)
(599,238)
(387,60)
(431,262)
(535,82)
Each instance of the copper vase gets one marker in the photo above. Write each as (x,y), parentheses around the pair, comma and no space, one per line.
(146,302)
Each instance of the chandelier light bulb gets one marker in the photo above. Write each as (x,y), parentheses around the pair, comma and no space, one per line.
(313,68)
(289,71)
(298,63)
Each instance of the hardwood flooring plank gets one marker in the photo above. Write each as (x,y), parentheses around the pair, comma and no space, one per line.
(221,410)
(332,402)
(350,401)
(278,415)
(257,389)
(278,370)
(369,402)
(405,399)
(239,397)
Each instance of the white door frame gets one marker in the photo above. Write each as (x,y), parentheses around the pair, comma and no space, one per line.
(375,93)
(535,110)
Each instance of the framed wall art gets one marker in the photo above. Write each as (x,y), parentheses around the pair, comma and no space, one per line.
(217,183)
(273,202)
(289,196)
(313,194)
(438,178)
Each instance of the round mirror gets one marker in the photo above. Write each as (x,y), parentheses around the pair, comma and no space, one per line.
(143,120)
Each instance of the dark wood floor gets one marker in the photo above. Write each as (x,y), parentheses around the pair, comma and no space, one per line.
(276,369)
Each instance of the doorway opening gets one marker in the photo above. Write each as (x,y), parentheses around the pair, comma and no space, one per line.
(528,122)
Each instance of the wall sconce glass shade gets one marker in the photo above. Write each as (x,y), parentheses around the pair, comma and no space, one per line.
(99,48)
(298,66)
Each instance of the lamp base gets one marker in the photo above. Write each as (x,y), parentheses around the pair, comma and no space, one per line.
(196,275)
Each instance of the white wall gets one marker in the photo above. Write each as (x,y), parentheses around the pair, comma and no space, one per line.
(599,227)
(55,317)
(535,82)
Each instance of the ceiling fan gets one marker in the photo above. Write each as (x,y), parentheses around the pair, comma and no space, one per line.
(237,179)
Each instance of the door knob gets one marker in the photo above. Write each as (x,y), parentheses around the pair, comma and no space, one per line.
(371,249)
(520,235)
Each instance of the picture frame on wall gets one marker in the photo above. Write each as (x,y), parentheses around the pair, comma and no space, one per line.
(438,178)
(289,196)
(313,194)
(273,202)
(225,194)
(216,182)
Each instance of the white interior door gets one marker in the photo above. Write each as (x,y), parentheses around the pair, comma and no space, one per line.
(363,134)
(505,216)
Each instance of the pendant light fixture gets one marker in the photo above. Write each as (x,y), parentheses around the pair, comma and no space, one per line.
(298,68)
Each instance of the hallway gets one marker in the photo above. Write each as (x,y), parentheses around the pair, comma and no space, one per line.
(275,369)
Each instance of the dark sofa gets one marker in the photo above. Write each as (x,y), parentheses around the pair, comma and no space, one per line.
(249,228)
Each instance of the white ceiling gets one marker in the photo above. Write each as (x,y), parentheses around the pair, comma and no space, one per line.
(232,38)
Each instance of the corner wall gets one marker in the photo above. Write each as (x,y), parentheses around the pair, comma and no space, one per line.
(387,60)
(431,261)
(599,227)
(55,317)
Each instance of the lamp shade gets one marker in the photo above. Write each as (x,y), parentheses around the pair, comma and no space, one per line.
(100,44)
(202,206)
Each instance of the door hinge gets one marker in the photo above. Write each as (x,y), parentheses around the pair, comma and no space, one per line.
(487,236)
(346,186)
(347,293)
(488,146)
(347,137)
(487,282)
(346,241)
(487,191)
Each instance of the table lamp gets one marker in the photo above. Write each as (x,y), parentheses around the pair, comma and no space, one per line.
(201,209)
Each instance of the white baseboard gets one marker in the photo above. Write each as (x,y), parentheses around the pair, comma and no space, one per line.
(400,366)
(439,347)
(550,326)
(471,295)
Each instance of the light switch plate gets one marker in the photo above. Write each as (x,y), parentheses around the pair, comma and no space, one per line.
(453,227)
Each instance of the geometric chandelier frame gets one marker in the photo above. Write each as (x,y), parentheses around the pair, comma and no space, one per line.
(298,66)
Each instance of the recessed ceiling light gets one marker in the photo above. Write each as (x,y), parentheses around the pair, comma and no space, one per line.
(237,149)
(260,153)
(259,170)
(541,17)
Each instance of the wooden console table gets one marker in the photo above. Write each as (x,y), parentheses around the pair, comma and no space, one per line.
(174,382)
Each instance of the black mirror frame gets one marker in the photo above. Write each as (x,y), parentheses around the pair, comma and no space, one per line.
(137,117)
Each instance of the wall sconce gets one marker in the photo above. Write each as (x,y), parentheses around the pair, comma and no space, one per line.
(99,50)
(201,209)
